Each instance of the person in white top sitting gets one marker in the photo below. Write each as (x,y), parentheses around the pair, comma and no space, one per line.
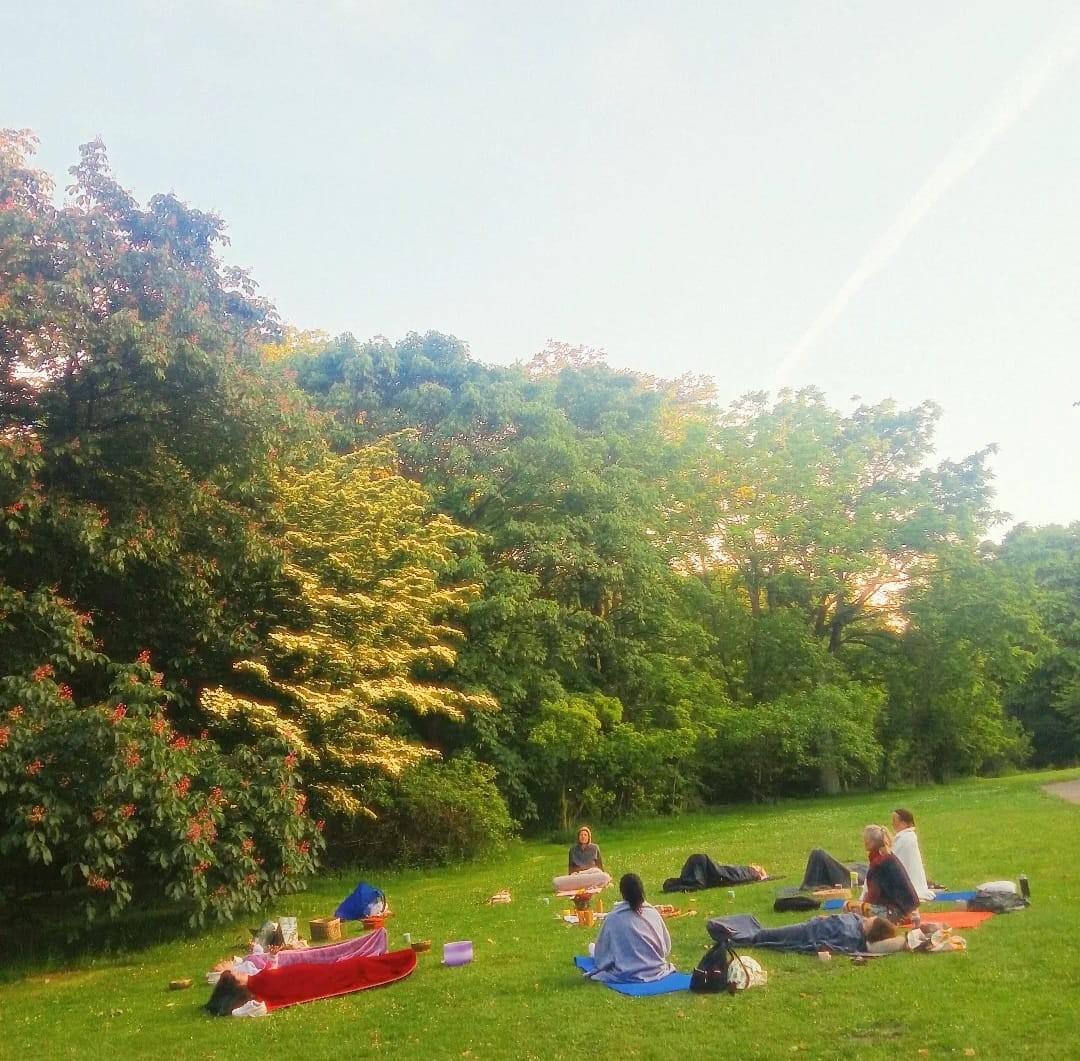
(906,848)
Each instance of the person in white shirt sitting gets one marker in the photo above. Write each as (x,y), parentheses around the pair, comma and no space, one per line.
(906,848)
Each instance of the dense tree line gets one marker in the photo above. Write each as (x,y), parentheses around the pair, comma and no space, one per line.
(263,591)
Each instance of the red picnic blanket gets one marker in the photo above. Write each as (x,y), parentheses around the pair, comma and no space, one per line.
(292,984)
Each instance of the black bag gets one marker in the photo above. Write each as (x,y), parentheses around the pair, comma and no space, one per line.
(711,976)
(787,903)
(998,902)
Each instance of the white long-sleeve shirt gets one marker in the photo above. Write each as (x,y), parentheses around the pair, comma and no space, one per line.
(906,848)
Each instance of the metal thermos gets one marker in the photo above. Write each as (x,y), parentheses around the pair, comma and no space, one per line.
(1025,888)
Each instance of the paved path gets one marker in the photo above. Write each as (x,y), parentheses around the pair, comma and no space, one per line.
(1069,790)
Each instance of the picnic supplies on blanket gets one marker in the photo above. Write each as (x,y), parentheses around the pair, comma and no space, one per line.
(675,981)
(324,929)
(365,900)
(667,912)
(824,871)
(289,932)
(587,879)
(293,984)
(700,872)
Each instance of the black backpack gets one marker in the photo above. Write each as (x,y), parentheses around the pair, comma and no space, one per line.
(998,902)
(712,973)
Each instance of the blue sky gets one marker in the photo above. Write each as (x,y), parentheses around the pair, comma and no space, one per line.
(877,199)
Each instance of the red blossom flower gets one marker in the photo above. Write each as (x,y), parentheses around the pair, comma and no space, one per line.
(303,847)
(183,786)
(194,832)
(290,759)
(118,713)
(97,882)
(65,692)
(5,733)
(36,815)
(301,803)
(157,679)
(39,674)
(202,867)
(320,824)
(180,743)
(34,768)
(144,657)
(159,726)
(133,757)
(98,815)
(250,880)
(216,794)
(16,711)
(128,809)
(248,846)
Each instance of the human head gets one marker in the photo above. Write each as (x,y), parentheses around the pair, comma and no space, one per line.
(876,929)
(228,994)
(902,819)
(876,838)
(584,835)
(632,890)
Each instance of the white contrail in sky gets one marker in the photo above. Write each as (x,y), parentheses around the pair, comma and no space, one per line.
(1055,53)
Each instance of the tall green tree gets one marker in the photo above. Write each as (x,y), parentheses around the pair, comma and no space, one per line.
(365,640)
(1047,702)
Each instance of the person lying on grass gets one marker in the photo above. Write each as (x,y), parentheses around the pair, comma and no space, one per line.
(844,933)
(888,891)
(634,944)
(585,854)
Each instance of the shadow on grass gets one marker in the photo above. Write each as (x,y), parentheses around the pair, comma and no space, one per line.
(44,934)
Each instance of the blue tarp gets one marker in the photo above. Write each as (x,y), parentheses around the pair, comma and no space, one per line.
(671,982)
(365,900)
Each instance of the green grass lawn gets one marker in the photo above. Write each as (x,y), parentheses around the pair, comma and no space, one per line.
(1015,992)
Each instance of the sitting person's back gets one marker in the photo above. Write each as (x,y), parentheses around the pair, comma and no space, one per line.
(584,854)
(634,944)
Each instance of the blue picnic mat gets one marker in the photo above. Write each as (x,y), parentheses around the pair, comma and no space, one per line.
(671,982)
(939,897)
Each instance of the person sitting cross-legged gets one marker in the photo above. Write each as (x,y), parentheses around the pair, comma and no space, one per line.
(634,944)
(905,846)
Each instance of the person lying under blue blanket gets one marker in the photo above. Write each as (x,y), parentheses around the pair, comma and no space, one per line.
(842,933)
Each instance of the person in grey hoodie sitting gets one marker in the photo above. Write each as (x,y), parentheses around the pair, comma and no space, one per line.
(634,944)
(584,854)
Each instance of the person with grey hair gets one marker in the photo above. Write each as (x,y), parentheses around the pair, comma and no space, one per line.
(888,891)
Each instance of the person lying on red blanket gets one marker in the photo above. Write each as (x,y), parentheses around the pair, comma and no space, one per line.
(289,985)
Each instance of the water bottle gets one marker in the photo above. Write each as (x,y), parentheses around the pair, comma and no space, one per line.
(1025,888)
(854,881)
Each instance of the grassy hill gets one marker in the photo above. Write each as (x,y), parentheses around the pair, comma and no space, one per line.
(1014,993)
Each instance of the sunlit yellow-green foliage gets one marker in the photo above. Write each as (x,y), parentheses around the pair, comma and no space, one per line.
(368,631)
